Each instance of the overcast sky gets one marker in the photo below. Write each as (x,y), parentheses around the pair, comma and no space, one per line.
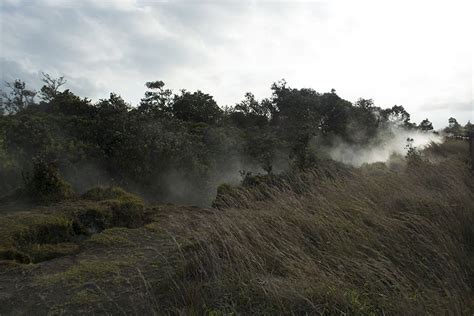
(418,54)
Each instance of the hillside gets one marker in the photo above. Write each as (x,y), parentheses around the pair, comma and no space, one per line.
(393,238)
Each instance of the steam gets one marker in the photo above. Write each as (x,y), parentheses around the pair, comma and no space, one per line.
(392,142)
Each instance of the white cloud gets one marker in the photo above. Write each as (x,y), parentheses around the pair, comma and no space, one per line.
(414,53)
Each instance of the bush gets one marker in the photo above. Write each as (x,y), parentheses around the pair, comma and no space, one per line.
(45,184)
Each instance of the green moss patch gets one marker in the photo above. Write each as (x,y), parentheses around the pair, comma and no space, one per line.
(91,271)
(116,237)
(44,234)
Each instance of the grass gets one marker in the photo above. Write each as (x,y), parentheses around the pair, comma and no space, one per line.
(336,240)
(85,271)
(56,230)
(395,239)
(112,237)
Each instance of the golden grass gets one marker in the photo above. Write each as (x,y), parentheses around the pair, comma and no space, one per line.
(333,240)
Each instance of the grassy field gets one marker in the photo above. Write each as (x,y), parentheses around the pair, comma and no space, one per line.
(382,239)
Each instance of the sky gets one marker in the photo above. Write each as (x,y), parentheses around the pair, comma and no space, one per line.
(416,53)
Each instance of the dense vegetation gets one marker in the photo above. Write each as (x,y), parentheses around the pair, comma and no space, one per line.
(178,147)
(298,234)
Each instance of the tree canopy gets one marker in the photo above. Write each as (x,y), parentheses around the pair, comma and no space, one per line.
(175,146)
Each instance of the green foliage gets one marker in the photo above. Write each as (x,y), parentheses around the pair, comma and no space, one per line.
(38,235)
(455,129)
(45,184)
(196,107)
(157,100)
(426,125)
(398,116)
(108,193)
(413,155)
(177,147)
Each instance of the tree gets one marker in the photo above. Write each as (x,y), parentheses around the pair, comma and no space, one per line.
(454,127)
(413,155)
(115,104)
(468,127)
(157,100)
(51,86)
(426,125)
(363,122)
(18,98)
(195,107)
(68,103)
(250,112)
(364,103)
(453,123)
(398,116)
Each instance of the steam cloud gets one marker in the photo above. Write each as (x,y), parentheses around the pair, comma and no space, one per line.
(388,144)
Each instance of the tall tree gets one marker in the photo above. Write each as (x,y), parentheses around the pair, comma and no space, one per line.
(18,98)
(426,125)
(51,86)
(157,100)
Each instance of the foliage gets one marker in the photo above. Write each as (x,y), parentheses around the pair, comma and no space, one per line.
(426,125)
(51,86)
(19,97)
(45,184)
(179,146)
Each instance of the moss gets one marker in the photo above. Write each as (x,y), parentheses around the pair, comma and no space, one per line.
(92,220)
(116,237)
(14,255)
(154,226)
(108,193)
(127,213)
(39,253)
(90,270)
(86,297)
(49,230)
(84,271)
(43,234)
(25,228)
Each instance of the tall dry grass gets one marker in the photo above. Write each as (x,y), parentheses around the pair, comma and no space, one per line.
(333,240)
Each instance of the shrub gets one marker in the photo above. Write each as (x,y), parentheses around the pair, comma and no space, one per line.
(45,184)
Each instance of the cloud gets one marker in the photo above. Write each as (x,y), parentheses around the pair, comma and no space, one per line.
(401,52)
(12,70)
(464,106)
